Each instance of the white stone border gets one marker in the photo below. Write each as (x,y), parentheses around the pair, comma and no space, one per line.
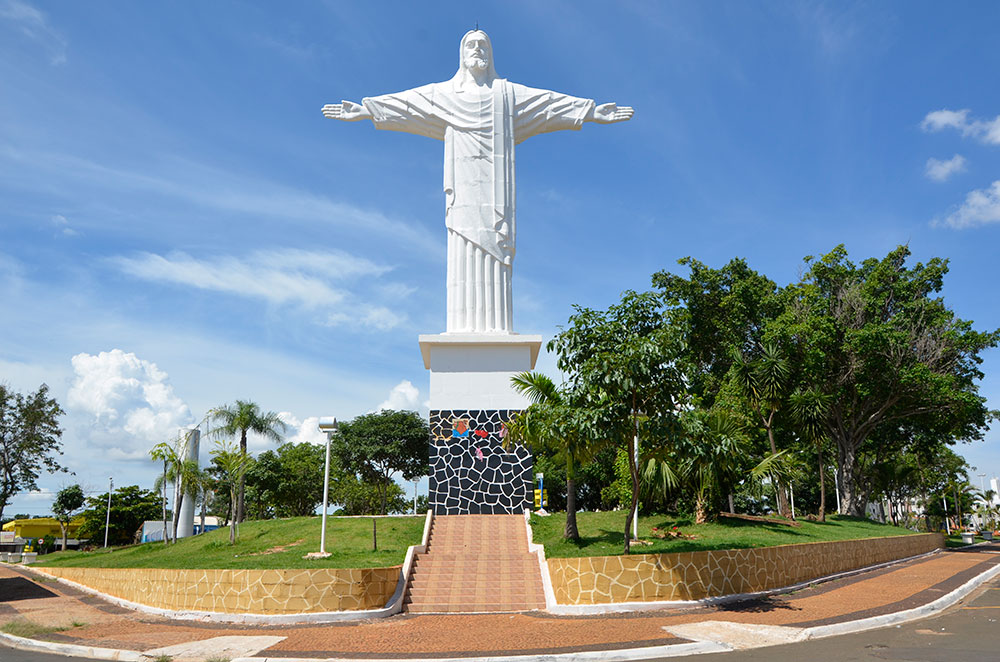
(394,605)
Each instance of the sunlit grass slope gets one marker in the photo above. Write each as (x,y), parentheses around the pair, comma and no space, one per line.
(266,544)
(601,534)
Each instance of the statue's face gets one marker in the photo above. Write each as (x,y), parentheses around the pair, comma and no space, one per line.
(476,52)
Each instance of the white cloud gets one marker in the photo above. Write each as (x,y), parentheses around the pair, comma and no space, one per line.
(280,277)
(981,207)
(403,395)
(130,403)
(34,24)
(986,131)
(939,171)
(302,431)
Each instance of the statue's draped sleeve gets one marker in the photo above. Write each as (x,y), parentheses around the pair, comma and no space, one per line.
(542,111)
(411,111)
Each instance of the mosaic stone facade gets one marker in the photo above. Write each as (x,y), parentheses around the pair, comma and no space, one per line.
(242,591)
(697,575)
(471,473)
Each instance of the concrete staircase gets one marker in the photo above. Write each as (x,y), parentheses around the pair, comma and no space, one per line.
(476,563)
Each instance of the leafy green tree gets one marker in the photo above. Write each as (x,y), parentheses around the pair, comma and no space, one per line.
(376,446)
(357,497)
(240,418)
(234,464)
(29,440)
(622,363)
(879,340)
(552,422)
(68,501)
(288,482)
(130,507)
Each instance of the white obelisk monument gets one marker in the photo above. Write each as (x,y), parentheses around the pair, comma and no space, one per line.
(480,117)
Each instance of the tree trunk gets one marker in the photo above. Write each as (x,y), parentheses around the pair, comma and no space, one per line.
(166,540)
(852,497)
(633,468)
(178,502)
(240,512)
(822,487)
(204,505)
(780,493)
(383,490)
(699,509)
(732,505)
(570,532)
(64,527)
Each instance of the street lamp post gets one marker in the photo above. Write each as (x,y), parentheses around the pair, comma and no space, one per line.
(107,521)
(329,426)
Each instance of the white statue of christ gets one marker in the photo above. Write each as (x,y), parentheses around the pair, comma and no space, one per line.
(480,117)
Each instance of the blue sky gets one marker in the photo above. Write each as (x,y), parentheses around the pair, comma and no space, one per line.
(180,226)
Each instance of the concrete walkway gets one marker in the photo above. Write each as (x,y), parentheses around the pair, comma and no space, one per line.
(869,599)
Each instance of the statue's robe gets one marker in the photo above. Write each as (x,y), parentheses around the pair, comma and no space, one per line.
(479,127)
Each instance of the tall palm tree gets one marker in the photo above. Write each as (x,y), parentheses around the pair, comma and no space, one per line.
(549,423)
(243,417)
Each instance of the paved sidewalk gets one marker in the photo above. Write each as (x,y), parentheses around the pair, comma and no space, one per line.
(90,621)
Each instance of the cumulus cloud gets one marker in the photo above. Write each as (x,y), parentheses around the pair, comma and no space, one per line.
(302,431)
(939,171)
(986,131)
(403,395)
(279,277)
(129,401)
(981,207)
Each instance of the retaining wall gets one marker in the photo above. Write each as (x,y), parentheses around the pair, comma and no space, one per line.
(242,591)
(697,575)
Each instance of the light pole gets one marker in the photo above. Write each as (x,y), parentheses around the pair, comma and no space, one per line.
(107,521)
(329,426)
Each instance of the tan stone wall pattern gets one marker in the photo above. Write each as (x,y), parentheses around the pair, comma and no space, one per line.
(696,575)
(242,591)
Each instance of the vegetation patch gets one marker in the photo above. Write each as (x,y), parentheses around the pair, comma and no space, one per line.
(265,544)
(28,629)
(601,533)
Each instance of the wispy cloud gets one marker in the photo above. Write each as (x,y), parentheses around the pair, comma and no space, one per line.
(34,25)
(981,207)
(986,131)
(214,189)
(62,224)
(279,277)
(939,171)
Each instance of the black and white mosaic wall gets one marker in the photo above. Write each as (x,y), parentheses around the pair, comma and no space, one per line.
(471,473)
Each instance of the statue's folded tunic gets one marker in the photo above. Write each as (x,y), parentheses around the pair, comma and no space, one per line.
(479,127)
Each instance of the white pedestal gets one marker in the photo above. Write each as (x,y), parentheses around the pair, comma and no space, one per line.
(473,370)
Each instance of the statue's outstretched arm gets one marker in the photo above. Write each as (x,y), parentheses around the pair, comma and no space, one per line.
(347,111)
(606,113)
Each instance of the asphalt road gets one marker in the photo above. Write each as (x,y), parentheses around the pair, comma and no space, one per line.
(969,632)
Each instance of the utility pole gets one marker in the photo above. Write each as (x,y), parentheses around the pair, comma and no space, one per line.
(107,521)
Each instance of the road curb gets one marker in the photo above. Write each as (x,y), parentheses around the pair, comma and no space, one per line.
(94,653)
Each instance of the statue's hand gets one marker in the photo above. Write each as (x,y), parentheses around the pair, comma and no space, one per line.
(607,113)
(345,110)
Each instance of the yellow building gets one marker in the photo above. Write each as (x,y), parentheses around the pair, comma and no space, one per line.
(41,527)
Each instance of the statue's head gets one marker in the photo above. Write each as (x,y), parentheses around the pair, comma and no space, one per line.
(475,56)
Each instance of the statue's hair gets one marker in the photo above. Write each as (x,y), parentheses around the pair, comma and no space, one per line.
(461,74)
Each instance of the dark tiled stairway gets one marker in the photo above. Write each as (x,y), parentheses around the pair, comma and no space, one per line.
(476,563)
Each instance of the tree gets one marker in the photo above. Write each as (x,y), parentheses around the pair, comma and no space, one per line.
(879,340)
(357,497)
(551,422)
(130,507)
(234,464)
(29,440)
(288,482)
(375,446)
(623,364)
(242,417)
(68,501)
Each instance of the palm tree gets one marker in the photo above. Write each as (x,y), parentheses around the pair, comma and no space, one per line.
(234,464)
(550,422)
(809,410)
(243,417)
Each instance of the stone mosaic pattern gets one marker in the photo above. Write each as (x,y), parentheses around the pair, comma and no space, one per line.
(242,591)
(697,575)
(471,473)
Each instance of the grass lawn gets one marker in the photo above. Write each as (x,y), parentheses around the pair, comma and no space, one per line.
(601,534)
(265,544)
